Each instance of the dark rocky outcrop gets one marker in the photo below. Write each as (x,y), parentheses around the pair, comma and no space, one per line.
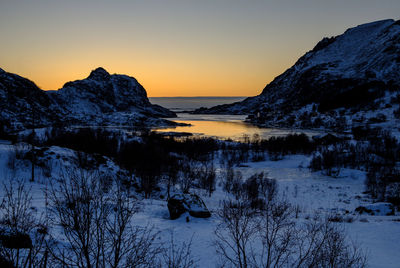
(181,203)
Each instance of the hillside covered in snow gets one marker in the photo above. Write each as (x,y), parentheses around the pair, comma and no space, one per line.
(334,84)
(100,99)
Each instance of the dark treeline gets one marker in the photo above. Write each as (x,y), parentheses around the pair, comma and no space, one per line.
(151,157)
(290,144)
(88,140)
(188,161)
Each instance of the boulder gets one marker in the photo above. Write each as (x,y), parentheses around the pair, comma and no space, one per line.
(197,208)
(181,203)
(177,206)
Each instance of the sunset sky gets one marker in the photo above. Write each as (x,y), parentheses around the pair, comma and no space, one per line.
(173,48)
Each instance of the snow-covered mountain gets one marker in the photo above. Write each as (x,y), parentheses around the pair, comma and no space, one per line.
(107,99)
(354,71)
(100,99)
(23,104)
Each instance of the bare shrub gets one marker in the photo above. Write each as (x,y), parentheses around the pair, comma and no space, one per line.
(273,238)
(206,177)
(188,175)
(260,190)
(96,226)
(233,183)
(23,232)
(276,230)
(12,161)
(234,235)
(229,175)
(178,256)
(321,243)
(18,153)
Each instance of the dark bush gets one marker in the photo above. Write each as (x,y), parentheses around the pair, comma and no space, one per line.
(16,241)
(259,190)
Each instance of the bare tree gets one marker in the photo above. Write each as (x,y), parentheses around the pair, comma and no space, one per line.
(32,140)
(77,205)
(23,232)
(188,174)
(321,243)
(206,176)
(234,235)
(178,256)
(233,182)
(268,187)
(260,190)
(128,245)
(272,238)
(171,177)
(276,230)
(97,226)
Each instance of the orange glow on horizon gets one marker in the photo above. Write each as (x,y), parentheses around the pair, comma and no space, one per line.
(157,81)
(173,48)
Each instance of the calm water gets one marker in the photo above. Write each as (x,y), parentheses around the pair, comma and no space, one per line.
(226,127)
(179,104)
(219,126)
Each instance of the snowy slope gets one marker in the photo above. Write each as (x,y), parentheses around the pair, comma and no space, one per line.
(351,70)
(310,192)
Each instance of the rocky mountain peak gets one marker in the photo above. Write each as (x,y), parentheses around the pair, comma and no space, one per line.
(99,74)
(100,99)
(352,72)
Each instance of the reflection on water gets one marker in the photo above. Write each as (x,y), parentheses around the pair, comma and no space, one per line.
(226,127)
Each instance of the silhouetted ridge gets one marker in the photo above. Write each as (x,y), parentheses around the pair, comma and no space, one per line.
(99,74)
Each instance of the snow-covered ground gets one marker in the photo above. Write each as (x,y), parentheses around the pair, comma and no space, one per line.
(311,192)
(378,235)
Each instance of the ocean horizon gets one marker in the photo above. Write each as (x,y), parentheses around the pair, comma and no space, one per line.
(180,104)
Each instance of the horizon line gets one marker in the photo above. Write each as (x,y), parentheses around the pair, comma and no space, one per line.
(199,96)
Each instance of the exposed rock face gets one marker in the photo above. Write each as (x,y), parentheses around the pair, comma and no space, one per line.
(347,71)
(181,203)
(100,99)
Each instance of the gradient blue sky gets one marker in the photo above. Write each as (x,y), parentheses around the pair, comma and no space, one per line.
(174,48)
